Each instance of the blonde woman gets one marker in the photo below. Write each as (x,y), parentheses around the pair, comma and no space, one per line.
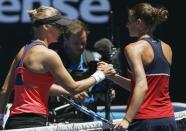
(35,69)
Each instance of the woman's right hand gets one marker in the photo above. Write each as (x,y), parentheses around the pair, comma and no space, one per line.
(106,68)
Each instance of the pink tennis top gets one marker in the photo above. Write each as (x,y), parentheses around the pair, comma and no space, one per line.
(31,89)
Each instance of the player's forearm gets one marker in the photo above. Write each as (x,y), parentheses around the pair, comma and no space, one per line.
(121,81)
(3,101)
(57,90)
(84,84)
(136,101)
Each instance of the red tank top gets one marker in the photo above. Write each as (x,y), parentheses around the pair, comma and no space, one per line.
(157,103)
(31,89)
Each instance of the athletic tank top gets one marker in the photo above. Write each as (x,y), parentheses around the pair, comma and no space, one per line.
(157,103)
(31,89)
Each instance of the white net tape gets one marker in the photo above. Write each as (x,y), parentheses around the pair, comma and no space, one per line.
(180,117)
(88,126)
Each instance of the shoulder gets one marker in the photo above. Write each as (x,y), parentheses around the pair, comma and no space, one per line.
(136,47)
(20,53)
(166,46)
(167,51)
(50,55)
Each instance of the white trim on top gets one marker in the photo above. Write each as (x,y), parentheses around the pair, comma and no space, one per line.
(160,74)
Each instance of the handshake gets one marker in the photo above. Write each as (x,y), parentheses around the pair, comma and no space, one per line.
(104,70)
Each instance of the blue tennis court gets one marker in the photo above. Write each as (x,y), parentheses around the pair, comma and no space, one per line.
(117,112)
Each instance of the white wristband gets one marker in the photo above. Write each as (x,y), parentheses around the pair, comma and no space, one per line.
(98,76)
(1,119)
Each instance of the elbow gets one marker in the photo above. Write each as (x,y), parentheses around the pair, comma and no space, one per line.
(4,92)
(145,88)
(75,88)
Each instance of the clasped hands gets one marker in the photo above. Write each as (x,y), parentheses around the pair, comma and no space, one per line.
(106,68)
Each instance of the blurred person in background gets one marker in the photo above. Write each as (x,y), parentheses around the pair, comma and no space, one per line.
(80,63)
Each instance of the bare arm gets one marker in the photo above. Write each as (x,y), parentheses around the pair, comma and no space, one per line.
(116,78)
(133,52)
(7,87)
(134,57)
(54,65)
(121,81)
(56,90)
